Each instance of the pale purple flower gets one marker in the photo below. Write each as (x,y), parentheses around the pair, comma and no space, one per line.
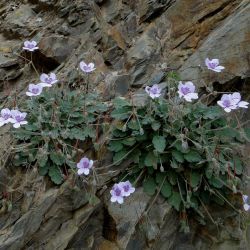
(87,68)
(34,90)
(237,99)
(187,91)
(84,166)
(214,65)
(227,103)
(48,80)
(245,199)
(18,118)
(127,188)
(117,193)
(5,117)
(233,101)
(30,45)
(154,91)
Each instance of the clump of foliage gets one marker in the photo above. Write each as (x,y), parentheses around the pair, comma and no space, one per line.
(187,152)
(61,124)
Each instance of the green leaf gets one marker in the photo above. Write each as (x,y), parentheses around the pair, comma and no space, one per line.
(119,156)
(121,113)
(43,170)
(149,186)
(115,146)
(75,133)
(159,177)
(192,156)
(159,143)
(195,179)
(175,200)
(216,182)
(134,124)
(178,156)
(42,158)
(151,160)
(237,165)
(129,141)
(227,132)
(57,158)
(166,189)
(213,112)
(55,175)
(120,102)
(156,125)
(247,133)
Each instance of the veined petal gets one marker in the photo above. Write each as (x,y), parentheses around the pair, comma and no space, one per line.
(220,103)
(23,122)
(113,199)
(246,207)
(215,61)
(80,171)
(120,199)
(43,84)
(193,95)
(43,77)
(29,94)
(227,110)
(243,104)
(86,171)
(245,198)
(207,61)
(16,125)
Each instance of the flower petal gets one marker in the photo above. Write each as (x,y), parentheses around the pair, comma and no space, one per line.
(16,125)
(80,171)
(246,207)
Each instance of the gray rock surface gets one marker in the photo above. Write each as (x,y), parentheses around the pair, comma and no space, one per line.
(133,44)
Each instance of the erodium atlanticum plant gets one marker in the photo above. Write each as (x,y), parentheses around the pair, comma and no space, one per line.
(121,190)
(84,166)
(87,68)
(34,90)
(58,128)
(13,116)
(246,204)
(5,117)
(154,91)
(232,101)
(177,145)
(48,80)
(30,46)
(187,91)
(214,65)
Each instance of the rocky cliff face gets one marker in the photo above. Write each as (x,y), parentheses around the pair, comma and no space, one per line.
(133,43)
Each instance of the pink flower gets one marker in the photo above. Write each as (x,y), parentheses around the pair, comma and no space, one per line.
(18,118)
(34,90)
(87,68)
(187,91)
(214,65)
(245,199)
(48,80)
(232,101)
(117,193)
(30,45)
(237,99)
(5,117)
(84,166)
(127,188)
(154,91)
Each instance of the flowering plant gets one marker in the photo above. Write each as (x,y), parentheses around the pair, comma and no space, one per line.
(188,153)
(56,131)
